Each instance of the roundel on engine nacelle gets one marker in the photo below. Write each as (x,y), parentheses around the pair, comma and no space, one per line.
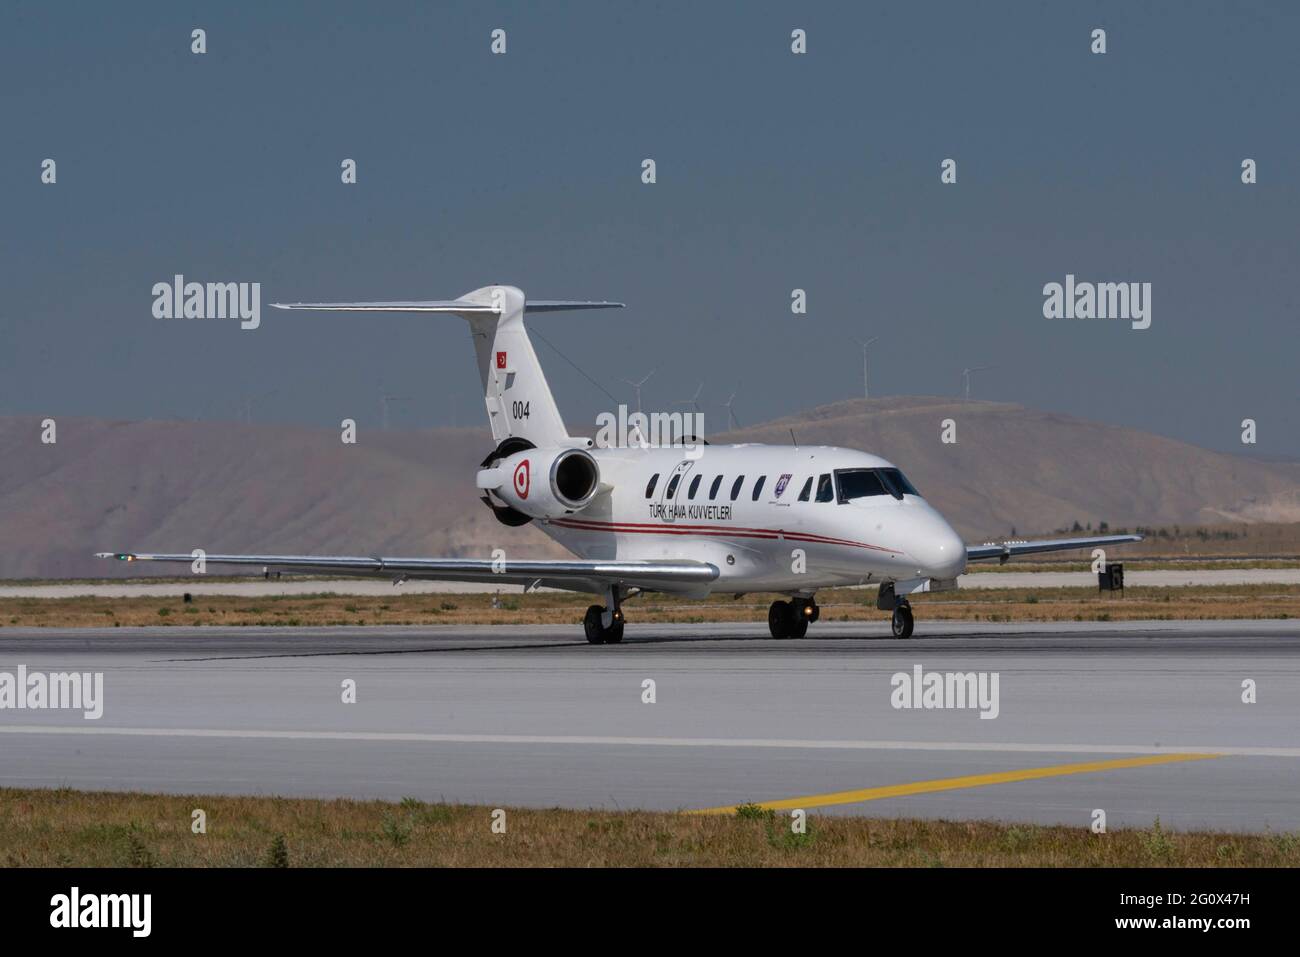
(522,479)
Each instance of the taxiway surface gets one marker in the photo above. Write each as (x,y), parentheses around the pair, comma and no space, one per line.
(1141,719)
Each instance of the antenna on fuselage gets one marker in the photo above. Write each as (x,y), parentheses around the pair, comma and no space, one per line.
(793,439)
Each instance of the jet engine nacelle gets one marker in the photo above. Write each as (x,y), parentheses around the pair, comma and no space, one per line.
(544,483)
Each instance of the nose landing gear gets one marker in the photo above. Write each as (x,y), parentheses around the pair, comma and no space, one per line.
(790,619)
(900,621)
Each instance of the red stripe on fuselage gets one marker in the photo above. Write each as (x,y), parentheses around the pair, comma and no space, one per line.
(715,531)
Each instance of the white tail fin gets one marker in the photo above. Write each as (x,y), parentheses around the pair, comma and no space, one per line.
(519,402)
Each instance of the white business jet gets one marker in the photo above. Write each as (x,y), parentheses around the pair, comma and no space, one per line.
(689,518)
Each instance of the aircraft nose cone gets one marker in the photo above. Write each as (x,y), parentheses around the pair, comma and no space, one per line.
(939,551)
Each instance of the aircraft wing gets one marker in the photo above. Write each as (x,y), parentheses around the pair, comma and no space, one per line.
(1006,550)
(575,575)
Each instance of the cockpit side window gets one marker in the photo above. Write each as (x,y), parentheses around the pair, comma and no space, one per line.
(825,490)
(806,490)
(859,483)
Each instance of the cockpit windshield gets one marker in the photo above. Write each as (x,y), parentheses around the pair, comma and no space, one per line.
(864,483)
(899,481)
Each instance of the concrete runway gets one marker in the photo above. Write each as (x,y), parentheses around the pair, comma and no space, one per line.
(533,716)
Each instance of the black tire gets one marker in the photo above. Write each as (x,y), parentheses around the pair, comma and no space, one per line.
(778,619)
(798,625)
(614,633)
(901,622)
(592,626)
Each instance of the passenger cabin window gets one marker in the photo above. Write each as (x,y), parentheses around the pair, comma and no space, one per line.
(806,490)
(713,489)
(695,485)
(825,489)
(672,484)
(735,487)
(650,486)
(758,487)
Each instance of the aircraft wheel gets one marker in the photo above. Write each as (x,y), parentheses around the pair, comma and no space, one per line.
(778,619)
(803,613)
(592,626)
(902,621)
(597,633)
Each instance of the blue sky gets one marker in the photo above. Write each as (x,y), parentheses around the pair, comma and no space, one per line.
(775,171)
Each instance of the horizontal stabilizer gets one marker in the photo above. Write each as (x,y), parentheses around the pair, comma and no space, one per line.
(567,305)
(458,307)
(454,306)
(518,401)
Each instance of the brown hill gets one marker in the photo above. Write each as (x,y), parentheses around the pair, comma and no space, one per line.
(174,486)
(227,487)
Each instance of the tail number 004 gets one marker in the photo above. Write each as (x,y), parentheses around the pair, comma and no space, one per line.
(519,410)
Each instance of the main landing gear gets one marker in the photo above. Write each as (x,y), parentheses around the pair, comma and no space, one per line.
(790,619)
(604,626)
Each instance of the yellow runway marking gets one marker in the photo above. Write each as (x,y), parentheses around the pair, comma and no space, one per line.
(954,784)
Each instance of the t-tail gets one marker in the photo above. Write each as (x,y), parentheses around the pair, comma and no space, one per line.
(519,401)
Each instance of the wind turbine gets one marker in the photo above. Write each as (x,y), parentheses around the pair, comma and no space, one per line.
(247,404)
(732,421)
(694,403)
(965,378)
(385,399)
(866,393)
(637,387)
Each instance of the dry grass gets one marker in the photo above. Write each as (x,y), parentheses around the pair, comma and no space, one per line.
(998,605)
(56,828)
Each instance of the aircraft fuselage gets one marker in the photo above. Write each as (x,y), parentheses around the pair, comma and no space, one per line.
(801,529)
